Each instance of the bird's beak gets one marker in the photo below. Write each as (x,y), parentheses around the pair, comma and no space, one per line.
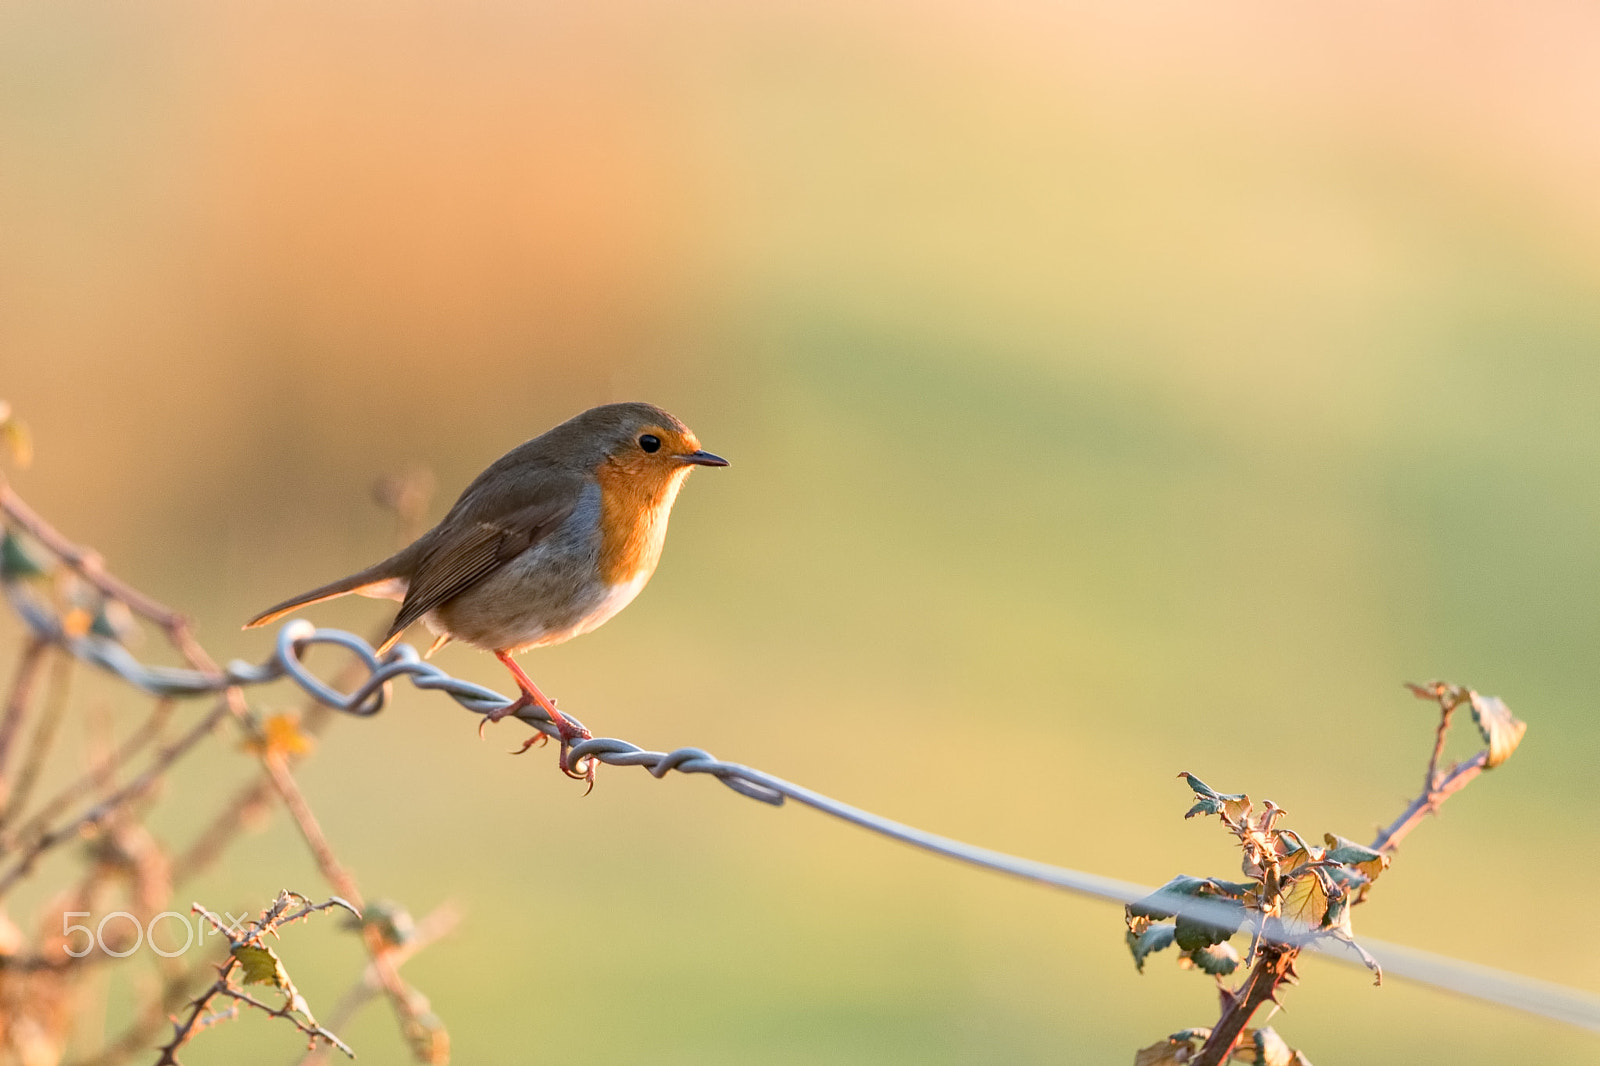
(702,458)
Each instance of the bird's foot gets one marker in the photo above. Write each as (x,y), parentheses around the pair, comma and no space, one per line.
(501,713)
(571,734)
(583,769)
(568,730)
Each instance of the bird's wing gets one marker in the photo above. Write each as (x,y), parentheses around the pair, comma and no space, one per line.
(468,553)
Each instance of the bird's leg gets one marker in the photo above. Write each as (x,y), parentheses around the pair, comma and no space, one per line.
(531,696)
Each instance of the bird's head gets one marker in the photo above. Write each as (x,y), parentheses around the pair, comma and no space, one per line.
(646,445)
(642,457)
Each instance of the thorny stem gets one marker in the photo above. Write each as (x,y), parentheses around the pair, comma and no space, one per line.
(316,1032)
(438,924)
(197,1019)
(1273,967)
(1276,964)
(1431,781)
(44,735)
(1448,697)
(106,807)
(28,669)
(88,565)
(1429,802)
(400,997)
(185,1030)
(407,497)
(136,742)
(137,1038)
(252,798)
(212,841)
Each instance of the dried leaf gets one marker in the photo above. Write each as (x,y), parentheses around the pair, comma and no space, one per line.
(1175,1050)
(17,440)
(281,735)
(1501,729)
(1306,893)
(12,938)
(1164,1053)
(1263,1047)
(298,1003)
(429,1039)
(76,621)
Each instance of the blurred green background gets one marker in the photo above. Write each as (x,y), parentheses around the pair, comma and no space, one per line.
(1113,389)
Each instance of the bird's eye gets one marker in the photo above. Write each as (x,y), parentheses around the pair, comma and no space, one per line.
(650,442)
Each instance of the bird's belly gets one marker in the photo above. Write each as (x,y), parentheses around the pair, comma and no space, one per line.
(539,598)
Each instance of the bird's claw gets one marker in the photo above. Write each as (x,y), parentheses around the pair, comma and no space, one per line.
(569,733)
(566,729)
(537,738)
(507,711)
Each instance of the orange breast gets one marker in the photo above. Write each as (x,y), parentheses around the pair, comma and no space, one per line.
(634,505)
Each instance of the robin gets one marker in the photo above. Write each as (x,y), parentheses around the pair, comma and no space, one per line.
(554,538)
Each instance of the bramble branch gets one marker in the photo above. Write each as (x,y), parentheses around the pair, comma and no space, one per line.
(21,697)
(1350,872)
(105,808)
(255,963)
(73,602)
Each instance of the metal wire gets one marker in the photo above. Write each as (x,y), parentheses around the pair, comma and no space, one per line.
(1558,1002)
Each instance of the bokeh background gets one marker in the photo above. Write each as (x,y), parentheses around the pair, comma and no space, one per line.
(1113,389)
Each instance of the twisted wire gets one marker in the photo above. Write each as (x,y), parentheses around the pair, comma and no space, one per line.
(1558,1002)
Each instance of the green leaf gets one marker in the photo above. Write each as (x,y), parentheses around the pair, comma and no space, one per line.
(1157,904)
(261,966)
(1219,960)
(1358,857)
(1154,939)
(17,561)
(1194,933)
(1501,729)
(392,921)
(1235,806)
(1222,919)
(114,621)
(1289,842)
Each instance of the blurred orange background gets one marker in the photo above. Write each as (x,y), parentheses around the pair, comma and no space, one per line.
(1112,390)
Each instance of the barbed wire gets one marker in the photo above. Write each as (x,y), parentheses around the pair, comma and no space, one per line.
(295,638)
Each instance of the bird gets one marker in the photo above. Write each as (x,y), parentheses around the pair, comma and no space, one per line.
(549,542)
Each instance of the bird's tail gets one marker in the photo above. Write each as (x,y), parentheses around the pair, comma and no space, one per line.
(368,580)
